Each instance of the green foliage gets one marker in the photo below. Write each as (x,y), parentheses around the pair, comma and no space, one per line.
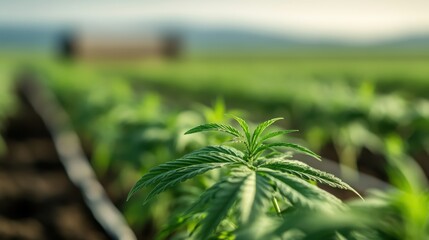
(399,213)
(348,103)
(255,177)
(355,106)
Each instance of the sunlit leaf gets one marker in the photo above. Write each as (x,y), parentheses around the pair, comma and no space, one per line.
(221,203)
(275,134)
(215,127)
(299,192)
(169,174)
(306,172)
(243,126)
(261,128)
(255,197)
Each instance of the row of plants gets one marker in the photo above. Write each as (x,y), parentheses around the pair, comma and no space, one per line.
(347,108)
(353,104)
(133,129)
(263,77)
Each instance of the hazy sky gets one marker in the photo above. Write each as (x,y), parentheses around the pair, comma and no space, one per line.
(361,20)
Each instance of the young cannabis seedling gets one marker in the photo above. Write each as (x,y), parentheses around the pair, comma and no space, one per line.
(258,176)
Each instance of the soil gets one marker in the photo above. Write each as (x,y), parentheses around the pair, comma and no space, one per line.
(37,200)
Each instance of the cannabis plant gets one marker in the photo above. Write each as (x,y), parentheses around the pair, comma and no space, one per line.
(259,178)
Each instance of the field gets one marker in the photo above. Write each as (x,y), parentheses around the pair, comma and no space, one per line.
(369,114)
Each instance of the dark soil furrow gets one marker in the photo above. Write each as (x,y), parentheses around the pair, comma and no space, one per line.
(37,200)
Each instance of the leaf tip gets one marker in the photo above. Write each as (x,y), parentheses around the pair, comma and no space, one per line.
(358,194)
(188,132)
(129,196)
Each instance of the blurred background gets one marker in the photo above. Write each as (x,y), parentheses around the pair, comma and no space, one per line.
(133,76)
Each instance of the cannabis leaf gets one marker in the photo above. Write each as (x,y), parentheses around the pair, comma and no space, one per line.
(258,175)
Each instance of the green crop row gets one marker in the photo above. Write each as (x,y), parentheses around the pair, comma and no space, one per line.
(281,80)
(353,104)
(131,128)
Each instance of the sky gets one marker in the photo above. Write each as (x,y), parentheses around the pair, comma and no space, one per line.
(360,21)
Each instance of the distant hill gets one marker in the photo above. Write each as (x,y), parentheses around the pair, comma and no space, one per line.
(216,40)
(238,39)
(28,38)
(416,42)
(230,39)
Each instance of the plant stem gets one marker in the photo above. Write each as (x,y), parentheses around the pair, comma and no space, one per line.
(276,206)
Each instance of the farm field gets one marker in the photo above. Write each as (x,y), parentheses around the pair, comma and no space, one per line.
(370,115)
